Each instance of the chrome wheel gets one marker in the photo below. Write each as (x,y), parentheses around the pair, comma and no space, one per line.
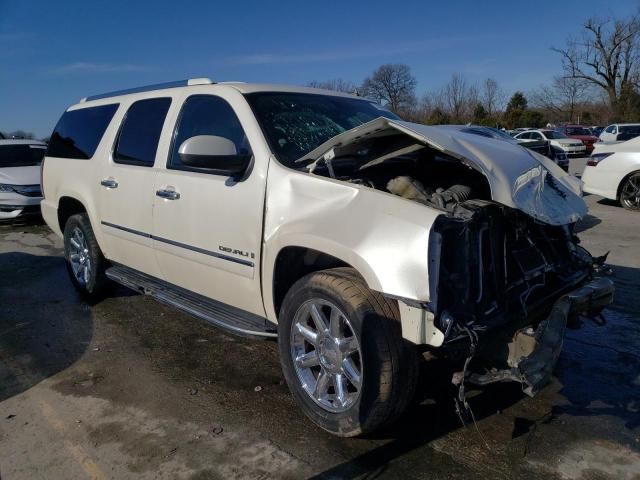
(326,355)
(630,192)
(79,257)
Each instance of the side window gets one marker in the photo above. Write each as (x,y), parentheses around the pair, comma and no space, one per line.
(525,135)
(536,136)
(78,132)
(137,141)
(207,115)
(610,129)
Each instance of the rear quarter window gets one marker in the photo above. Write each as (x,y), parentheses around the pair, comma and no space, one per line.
(79,132)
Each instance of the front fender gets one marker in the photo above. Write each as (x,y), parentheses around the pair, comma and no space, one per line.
(384,237)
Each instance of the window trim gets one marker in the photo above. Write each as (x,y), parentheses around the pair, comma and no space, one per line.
(208,171)
(137,163)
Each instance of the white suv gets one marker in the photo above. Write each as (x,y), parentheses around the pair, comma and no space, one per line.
(20,177)
(619,132)
(323,220)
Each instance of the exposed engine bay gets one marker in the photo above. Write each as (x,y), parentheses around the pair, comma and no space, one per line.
(410,170)
(489,262)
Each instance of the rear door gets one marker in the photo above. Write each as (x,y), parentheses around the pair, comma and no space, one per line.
(127,186)
(208,232)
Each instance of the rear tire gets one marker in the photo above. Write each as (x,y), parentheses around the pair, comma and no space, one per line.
(629,196)
(356,374)
(85,263)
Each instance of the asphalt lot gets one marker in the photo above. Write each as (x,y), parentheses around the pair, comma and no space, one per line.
(128,388)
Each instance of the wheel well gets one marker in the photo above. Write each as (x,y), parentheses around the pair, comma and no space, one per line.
(293,263)
(66,207)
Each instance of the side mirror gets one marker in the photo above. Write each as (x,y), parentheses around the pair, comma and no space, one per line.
(217,155)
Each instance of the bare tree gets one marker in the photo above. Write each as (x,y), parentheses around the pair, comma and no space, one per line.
(455,95)
(393,85)
(605,56)
(562,97)
(460,98)
(337,84)
(430,101)
(493,98)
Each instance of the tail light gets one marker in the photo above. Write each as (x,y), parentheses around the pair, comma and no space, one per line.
(596,158)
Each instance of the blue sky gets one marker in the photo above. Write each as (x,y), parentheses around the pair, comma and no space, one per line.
(52,53)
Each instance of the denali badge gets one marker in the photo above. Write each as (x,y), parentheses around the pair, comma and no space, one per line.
(236,252)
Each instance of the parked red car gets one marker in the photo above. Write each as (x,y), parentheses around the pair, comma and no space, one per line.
(581,133)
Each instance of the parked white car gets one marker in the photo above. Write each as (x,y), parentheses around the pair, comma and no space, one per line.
(20,177)
(613,172)
(324,220)
(570,146)
(620,132)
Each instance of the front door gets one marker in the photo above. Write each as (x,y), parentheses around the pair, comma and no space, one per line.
(127,186)
(207,227)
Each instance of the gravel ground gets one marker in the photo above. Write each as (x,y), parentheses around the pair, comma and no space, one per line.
(128,388)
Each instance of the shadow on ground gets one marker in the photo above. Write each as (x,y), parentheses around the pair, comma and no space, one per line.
(432,419)
(610,203)
(600,365)
(587,222)
(41,333)
(26,221)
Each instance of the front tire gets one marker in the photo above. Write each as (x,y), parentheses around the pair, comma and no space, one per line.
(343,355)
(630,192)
(85,263)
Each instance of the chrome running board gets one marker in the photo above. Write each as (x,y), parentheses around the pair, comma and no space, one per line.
(226,317)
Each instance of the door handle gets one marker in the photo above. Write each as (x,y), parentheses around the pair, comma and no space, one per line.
(109,183)
(168,194)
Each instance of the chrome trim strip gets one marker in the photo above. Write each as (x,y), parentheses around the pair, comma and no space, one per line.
(221,256)
(203,251)
(126,229)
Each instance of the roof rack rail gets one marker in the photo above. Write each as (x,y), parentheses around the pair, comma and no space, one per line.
(148,88)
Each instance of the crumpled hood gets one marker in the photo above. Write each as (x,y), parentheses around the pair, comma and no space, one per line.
(518,177)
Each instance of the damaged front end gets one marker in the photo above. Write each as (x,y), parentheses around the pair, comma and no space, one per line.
(532,353)
(506,270)
(497,270)
(491,264)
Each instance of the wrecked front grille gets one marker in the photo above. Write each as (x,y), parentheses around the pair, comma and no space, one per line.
(497,264)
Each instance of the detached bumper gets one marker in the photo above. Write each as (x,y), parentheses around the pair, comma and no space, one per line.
(533,355)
